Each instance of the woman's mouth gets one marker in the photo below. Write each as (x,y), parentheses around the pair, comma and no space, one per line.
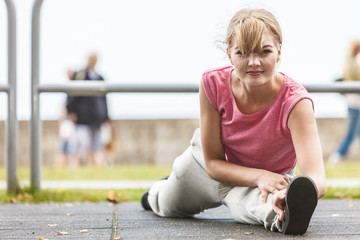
(254,73)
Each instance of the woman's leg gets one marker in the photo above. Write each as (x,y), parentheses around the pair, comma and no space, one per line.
(189,189)
(246,206)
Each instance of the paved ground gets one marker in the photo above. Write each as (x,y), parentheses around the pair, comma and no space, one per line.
(333,219)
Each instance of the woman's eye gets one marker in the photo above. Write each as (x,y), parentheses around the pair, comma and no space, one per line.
(266,51)
(239,53)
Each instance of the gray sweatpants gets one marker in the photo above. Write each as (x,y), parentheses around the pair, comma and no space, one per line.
(189,190)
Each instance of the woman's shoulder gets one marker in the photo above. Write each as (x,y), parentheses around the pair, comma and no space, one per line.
(293,92)
(216,82)
(293,85)
(217,77)
(218,72)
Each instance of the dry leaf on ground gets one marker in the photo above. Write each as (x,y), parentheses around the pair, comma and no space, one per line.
(62,233)
(112,196)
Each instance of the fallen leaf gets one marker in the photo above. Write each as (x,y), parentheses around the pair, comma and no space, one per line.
(20,197)
(43,239)
(112,196)
(53,225)
(69,214)
(28,196)
(335,215)
(62,233)
(118,238)
(248,233)
(84,231)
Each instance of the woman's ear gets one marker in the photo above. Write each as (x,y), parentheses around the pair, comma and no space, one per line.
(279,53)
(229,55)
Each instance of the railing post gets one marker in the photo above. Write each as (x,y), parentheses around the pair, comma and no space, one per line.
(11,124)
(35,124)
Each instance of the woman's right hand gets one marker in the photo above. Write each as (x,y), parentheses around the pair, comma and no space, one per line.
(269,182)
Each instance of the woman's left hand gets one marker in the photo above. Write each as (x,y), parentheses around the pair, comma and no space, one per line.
(278,203)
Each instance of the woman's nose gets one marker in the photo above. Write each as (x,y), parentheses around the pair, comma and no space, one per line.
(254,59)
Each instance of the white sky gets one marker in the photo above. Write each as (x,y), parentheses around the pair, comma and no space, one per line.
(170,41)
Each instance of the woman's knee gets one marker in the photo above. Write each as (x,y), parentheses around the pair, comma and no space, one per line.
(182,164)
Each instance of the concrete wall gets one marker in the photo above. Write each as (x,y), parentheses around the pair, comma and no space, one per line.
(156,141)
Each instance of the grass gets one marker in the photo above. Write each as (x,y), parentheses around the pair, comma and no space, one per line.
(150,172)
(343,193)
(348,169)
(118,172)
(26,195)
(136,172)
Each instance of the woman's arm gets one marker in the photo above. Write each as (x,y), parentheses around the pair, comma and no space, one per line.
(214,155)
(306,141)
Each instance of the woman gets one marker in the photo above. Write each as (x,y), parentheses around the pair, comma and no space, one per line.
(255,123)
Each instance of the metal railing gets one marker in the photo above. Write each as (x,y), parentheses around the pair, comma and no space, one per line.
(10,89)
(102,88)
(339,87)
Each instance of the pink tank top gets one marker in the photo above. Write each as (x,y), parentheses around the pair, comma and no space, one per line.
(261,140)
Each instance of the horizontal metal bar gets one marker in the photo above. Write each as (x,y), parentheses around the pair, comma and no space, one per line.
(100,88)
(4,88)
(339,87)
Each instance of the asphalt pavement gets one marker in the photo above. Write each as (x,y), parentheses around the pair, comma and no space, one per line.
(333,219)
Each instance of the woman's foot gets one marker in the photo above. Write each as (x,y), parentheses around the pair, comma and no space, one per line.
(301,200)
(144,201)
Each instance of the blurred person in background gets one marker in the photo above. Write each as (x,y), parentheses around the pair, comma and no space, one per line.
(351,73)
(66,129)
(88,113)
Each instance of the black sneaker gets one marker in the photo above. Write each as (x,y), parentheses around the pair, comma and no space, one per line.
(301,200)
(144,201)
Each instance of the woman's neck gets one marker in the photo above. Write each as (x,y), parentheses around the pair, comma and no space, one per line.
(251,99)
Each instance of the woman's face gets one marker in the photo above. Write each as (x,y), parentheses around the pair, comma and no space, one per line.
(256,69)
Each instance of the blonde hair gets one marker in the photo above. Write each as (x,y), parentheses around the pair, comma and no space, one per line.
(351,69)
(248,26)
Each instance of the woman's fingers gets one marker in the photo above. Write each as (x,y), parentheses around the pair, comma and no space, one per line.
(278,204)
(264,195)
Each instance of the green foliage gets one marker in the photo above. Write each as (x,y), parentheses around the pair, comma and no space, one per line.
(343,193)
(137,172)
(27,195)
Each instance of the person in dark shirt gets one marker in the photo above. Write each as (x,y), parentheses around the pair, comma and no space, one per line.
(88,113)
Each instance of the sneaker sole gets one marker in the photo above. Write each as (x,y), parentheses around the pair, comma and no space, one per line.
(301,200)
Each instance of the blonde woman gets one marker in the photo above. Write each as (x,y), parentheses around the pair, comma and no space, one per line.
(255,125)
(351,73)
